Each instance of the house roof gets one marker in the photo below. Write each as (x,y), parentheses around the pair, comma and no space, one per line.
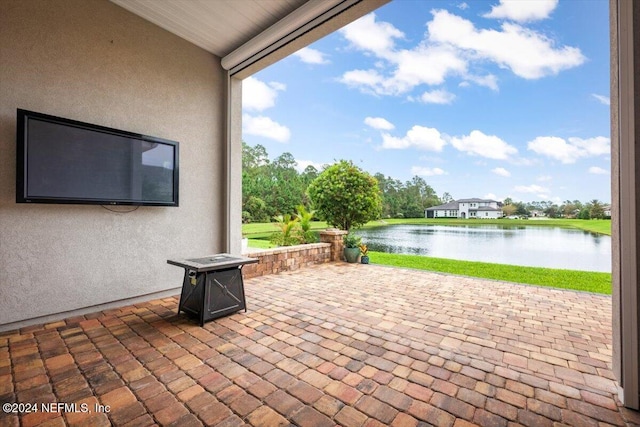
(476,200)
(447,206)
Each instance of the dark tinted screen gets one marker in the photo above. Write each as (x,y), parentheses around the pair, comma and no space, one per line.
(76,163)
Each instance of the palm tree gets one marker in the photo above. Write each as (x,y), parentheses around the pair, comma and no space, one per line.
(304,218)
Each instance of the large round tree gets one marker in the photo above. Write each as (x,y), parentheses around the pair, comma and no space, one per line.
(345,196)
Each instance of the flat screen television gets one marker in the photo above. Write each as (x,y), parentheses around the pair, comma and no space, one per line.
(66,161)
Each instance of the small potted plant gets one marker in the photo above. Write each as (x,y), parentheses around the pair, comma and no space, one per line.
(351,247)
(364,252)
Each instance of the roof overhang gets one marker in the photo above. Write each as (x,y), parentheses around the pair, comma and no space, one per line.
(250,34)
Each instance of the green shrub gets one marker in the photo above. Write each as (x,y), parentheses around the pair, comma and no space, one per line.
(351,241)
(286,236)
(304,218)
(345,196)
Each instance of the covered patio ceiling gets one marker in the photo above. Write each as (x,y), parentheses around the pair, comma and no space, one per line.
(218,26)
(246,32)
(337,344)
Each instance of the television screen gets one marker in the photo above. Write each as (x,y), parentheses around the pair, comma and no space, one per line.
(66,161)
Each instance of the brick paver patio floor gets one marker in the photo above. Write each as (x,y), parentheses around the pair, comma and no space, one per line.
(337,344)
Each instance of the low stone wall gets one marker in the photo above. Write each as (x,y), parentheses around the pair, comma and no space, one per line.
(288,258)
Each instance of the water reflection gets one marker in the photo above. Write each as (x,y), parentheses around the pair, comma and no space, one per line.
(550,247)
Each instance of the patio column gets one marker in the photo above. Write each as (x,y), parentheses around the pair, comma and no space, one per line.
(334,237)
(625,173)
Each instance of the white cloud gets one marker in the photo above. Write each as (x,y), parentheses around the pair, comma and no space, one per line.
(593,146)
(265,127)
(423,171)
(379,123)
(556,148)
(598,170)
(278,85)
(489,146)
(370,35)
(311,56)
(463,6)
(544,178)
(438,96)
(420,137)
(452,46)
(258,95)
(489,81)
(501,172)
(522,11)
(603,99)
(570,151)
(539,191)
(526,53)
(369,81)
(301,165)
(424,65)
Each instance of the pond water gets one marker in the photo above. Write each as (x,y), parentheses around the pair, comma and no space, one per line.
(550,247)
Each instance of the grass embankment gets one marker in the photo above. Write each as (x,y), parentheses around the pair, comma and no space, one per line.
(566,279)
(259,234)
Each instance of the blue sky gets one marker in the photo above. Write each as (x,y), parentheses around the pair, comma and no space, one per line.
(487,99)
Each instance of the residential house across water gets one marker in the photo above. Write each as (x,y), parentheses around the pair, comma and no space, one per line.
(466,208)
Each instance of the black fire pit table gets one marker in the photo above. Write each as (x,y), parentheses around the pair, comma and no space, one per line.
(212,285)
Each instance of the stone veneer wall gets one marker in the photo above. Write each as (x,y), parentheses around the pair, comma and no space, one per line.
(272,261)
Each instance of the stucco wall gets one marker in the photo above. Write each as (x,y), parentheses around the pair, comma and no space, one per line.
(92,61)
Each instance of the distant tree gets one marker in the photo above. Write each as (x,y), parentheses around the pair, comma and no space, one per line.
(345,196)
(391,194)
(253,157)
(418,195)
(286,188)
(509,209)
(571,209)
(446,198)
(521,209)
(256,210)
(584,214)
(309,174)
(596,209)
(269,188)
(552,211)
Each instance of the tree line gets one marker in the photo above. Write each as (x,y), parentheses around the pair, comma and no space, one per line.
(593,209)
(275,187)
(272,188)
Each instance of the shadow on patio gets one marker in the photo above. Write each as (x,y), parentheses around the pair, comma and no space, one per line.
(344,344)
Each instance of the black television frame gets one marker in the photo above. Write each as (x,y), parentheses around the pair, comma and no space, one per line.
(22,141)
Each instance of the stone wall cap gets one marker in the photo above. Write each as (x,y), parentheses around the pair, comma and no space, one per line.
(334,232)
(285,249)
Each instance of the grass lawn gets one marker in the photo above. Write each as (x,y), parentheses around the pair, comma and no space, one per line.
(263,230)
(556,278)
(261,244)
